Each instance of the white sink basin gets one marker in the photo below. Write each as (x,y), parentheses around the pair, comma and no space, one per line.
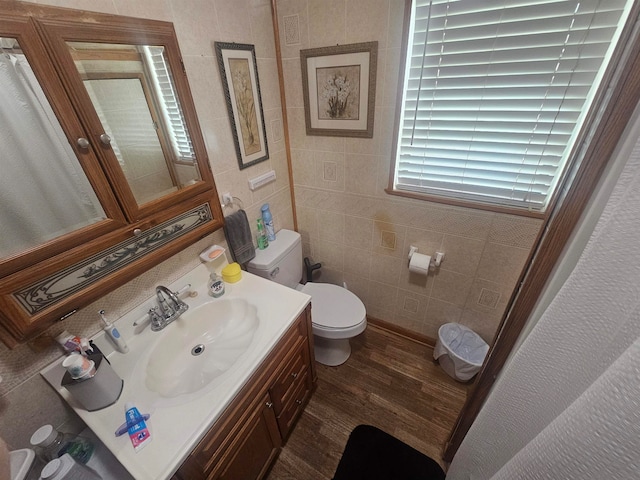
(200,346)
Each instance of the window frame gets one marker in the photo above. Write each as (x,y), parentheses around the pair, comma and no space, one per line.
(574,156)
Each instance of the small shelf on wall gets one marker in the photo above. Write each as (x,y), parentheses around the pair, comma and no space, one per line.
(260,180)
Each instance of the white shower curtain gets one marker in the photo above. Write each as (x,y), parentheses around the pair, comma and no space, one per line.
(43,190)
(567,405)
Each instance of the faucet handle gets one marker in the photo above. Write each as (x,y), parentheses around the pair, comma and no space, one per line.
(158,321)
(184,289)
(155,316)
(142,321)
(152,316)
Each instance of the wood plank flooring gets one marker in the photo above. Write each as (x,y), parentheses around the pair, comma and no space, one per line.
(390,382)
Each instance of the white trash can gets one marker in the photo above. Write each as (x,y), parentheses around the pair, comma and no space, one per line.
(460,351)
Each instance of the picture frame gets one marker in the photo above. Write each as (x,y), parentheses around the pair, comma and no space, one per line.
(239,74)
(339,89)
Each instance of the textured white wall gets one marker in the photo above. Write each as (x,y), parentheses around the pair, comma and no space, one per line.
(567,404)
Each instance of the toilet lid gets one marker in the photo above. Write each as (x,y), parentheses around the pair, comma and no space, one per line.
(334,306)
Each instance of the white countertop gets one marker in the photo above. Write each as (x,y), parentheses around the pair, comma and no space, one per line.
(177,424)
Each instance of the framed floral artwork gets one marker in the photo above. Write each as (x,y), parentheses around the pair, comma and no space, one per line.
(239,72)
(339,85)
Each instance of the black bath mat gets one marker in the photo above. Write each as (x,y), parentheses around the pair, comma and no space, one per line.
(372,454)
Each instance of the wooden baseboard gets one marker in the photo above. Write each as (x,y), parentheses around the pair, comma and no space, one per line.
(401,331)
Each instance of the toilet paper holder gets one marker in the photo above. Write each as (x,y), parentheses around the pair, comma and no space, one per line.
(436,260)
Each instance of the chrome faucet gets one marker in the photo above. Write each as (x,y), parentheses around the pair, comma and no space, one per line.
(170,307)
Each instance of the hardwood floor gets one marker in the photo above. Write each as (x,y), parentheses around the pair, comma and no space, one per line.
(390,382)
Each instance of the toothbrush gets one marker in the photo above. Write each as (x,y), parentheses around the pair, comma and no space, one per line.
(114,334)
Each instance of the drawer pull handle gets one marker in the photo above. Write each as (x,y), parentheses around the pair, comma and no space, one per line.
(294,375)
(299,402)
(269,404)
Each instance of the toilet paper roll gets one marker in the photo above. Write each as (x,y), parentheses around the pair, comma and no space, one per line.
(419,263)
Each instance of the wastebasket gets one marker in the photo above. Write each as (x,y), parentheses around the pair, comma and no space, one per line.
(460,351)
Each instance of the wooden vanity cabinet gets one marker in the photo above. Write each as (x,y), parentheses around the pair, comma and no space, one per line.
(245,440)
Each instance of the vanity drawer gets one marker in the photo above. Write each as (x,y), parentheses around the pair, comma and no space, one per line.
(295,404)
(290,376)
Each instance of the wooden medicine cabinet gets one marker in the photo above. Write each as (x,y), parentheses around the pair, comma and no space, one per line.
(104,168)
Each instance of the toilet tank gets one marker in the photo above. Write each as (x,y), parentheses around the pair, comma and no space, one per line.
(281,261)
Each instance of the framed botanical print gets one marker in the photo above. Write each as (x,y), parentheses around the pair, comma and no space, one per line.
(239,72)
(339,86)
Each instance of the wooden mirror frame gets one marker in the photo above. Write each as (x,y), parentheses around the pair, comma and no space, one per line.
(53,25)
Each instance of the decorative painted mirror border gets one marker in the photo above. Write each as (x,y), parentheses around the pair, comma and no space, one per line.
(65,283)
(239,74)
(339,89)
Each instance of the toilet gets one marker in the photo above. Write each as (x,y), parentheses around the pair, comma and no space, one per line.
(336,313)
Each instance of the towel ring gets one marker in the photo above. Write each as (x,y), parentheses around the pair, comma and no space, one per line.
(232,206)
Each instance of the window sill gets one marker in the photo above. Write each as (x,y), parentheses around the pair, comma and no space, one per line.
(466,203)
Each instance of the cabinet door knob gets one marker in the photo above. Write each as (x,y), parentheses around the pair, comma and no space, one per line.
(269,404)
(137,232)
(83,142)
(294,375)
(105,139)
(299,402)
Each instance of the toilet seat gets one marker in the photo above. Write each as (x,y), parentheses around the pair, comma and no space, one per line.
(336,312)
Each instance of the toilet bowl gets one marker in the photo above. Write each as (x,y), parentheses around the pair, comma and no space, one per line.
(337,314)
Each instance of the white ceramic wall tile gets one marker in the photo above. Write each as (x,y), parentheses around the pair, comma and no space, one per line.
(327,24)
(197,25)
(361,173)
(233,26)
(372,26)
(154,9)
(513,230)
(294,7)
(262,29)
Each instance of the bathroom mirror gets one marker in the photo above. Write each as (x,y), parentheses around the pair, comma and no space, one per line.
(44,191)
(104,171)
(131,88)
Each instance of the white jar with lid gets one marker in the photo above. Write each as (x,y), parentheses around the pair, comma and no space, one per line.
(66,468)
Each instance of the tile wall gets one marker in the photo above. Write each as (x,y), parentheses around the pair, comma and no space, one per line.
(361,234)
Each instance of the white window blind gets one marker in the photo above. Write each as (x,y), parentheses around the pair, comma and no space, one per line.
(495,91)
(170,106)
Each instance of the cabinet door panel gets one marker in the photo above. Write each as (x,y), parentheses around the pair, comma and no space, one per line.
(134,100)
(53,189)
(257,446)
